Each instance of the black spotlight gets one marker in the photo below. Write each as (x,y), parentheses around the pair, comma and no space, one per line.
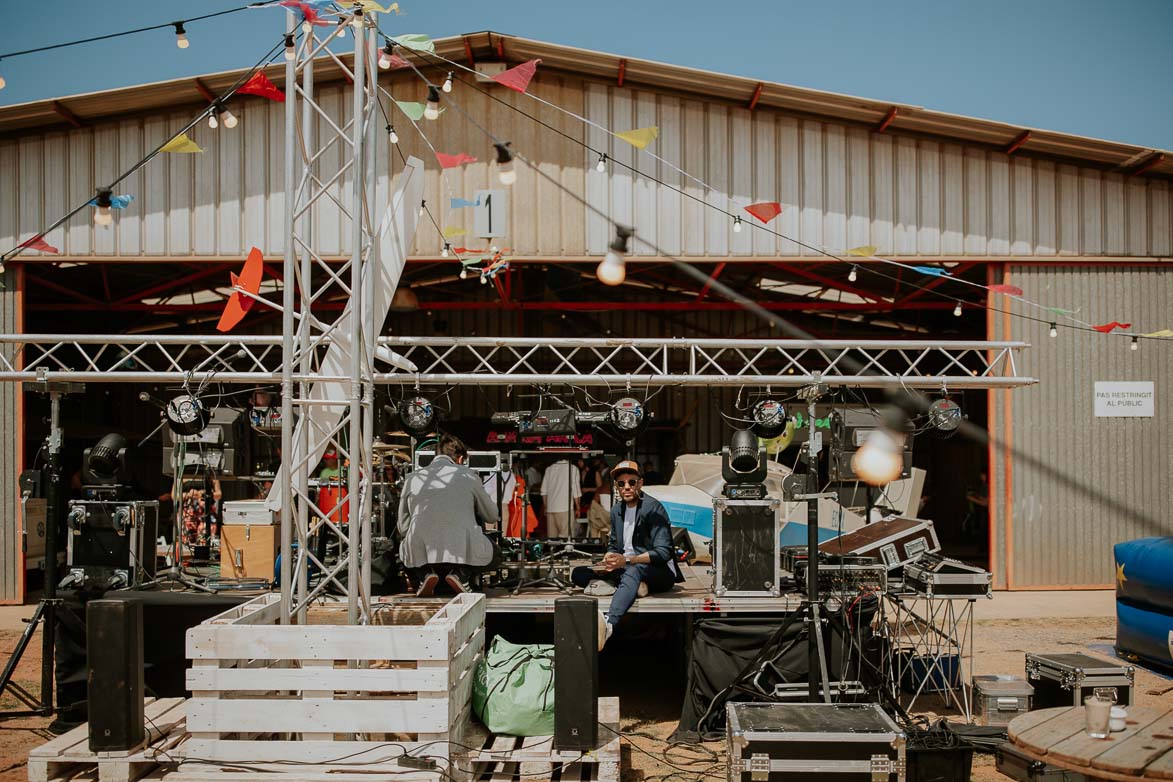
(769,418)
(418,415)
(628,417)
(945,415)
(187,415)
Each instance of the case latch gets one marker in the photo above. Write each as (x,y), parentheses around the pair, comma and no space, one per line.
(759,767)
(883,767)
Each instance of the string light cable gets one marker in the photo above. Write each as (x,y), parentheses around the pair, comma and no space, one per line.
(603,158)
(912,401)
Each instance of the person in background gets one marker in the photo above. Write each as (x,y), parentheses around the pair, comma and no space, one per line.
(561,489)
(599,514)
(533,482)
(652,476)
(589,482)
(640,557)
(519,507)
(438,514)
(199,498)
(329,469)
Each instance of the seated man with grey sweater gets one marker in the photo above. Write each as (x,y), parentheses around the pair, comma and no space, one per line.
(438,515)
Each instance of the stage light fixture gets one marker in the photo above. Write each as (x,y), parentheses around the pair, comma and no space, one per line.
(106,460)
(627,415)
(769,418)
(187,415)
(418,415)
(945,415)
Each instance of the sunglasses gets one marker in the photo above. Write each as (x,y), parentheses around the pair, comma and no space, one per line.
(633,483)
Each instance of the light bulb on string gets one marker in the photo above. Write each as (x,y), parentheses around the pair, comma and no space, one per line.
(463,273)
(423,208)
(444,252)
(392,136)
(957,310)
(357,20)
(484,279)
(181,36)
(1054,332)
(601,166)
(214,119)
(737,224)
(230,119)
(386,55)
(853,275)
(306,27)
(1135,344)
(432,106)
(447,83)
(290,47)
(613,268)
(505,171)
(104,214)
(3,83)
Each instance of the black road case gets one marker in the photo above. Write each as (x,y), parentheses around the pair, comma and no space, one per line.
(789,742)
(1066,679)
(1010,762)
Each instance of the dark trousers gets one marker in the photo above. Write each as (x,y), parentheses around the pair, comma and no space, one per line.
(464,572)
(658,577)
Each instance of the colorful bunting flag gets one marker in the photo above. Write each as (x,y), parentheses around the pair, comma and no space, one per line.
(417,41)
(1009,290)
(932,271)
(181,144)
(765,211)
(116,201)
(460,203)
(372,6)
(1106,328)
(466,261)
(519,76)
(452,161)
(413,110)
(1161,333)
(259,84)
(1060,311)
(467,251)
(309,10)
(38,243)
(452,231)
(863,251)
(249,280)
(640,137)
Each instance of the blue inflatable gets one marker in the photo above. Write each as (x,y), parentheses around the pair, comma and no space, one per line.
(1144,572)
(1144,632)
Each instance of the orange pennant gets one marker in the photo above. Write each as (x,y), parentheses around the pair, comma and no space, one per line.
(249,280)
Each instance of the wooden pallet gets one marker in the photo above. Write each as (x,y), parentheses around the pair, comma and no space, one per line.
(531,759)
(68,757)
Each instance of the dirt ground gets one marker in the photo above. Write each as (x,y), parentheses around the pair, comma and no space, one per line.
(650,712)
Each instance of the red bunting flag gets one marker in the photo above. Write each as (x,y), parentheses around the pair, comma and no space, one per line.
(259,84)
(249,280)
(1106,328)
(1009,290)
(452,161)
(308,12)
(765,211)
(38,243)
(518,77)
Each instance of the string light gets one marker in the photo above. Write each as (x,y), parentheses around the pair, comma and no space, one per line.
(612,270)
(386,55)
(853,275)
(432,107)
(214,118)
(448,83)
(3,82)
(104,215)
(737,224)
(1054,332)
(181,36)
(463,273)
(444,252)
(601,166)
(484,279)
(306,27)
(290,48)
(229,118)
(957,310)
(358,19)
(1135,344)
(505,170)
(423,206)
(392,136)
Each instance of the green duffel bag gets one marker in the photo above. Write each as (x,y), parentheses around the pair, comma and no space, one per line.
(513,693)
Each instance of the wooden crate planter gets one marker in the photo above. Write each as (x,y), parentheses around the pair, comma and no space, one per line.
(314,694)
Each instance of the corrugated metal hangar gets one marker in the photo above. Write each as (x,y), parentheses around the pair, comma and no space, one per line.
(1081,223)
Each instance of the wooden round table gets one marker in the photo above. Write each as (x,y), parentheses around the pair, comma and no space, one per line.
(1143,750)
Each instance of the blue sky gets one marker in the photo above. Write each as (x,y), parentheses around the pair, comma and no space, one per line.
(1092,68)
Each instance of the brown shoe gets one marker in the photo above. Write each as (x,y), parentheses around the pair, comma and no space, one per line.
(458,585)
(428,585)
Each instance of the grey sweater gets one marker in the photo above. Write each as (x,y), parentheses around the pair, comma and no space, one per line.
(438,513)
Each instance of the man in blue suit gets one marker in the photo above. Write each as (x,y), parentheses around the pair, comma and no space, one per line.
(640,557)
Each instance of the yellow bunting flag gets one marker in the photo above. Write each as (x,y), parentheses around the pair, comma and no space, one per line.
(372,6)
(640,137)
(181,143)
(864,251)
(1161,333)
(451,232)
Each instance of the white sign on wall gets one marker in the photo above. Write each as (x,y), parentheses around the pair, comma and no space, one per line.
(1124,399)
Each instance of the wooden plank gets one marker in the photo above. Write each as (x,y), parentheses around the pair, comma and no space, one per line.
(466,657)
(1032,719)
(360,679)
(322,752)
(204,772)
(1162,767)
(228,642)
(1049,733)
(382,715)
(1081,749)
(1139,745)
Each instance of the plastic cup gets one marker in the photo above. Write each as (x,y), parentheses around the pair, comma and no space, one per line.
(1098,712)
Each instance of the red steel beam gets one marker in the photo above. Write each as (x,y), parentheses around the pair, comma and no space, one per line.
(61,111)
(955,271)
(887,120)
(712,277)
(1017,143)
(203,90)
(171,284)
(534,306)
(1152,161)
(472,63)
(757,95)
(839,286)
(622,71)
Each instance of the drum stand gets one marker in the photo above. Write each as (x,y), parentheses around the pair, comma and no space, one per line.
(551,578)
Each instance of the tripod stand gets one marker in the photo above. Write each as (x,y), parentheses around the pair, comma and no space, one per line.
(551,578)
(176,574)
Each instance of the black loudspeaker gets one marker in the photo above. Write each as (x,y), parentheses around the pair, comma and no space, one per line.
(576,673)
(114,675)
